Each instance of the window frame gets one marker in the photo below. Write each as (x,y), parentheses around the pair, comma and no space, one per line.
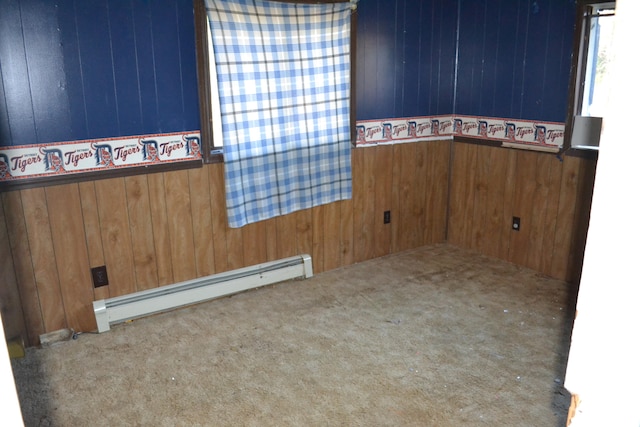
(579,65)
(210,152)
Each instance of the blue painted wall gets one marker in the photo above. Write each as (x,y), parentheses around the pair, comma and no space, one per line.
(84,69)
(405,58)
(87,69)
(513,58)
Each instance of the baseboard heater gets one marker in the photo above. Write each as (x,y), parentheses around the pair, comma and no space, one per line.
(120,309)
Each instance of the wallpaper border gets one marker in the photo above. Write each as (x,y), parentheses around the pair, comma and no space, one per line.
(515,133)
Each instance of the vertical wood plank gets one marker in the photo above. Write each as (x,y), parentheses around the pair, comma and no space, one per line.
(218,216)
(331,236)
(565,217)
(581,219)
(523,206)
(36,217)
(180,225)
(458,190)
(413,209)
(346,232)
(396,199)
(254,243)
(420,193)
(496,228)
(470,177)
(553,199)
(200,198)
(304,232)
(116,236)
(271,239)
(509,195)
(251,237)
(234,254)
(428,232)
(10,301)
(71,258)
(383,199)
(357,167)
(287,245)
(540,201)
(369,203)
(478,235)
(24,272)
(317,251)
(91,222)
(403,196)
(235,251)
(438,191)
(160,221)
(141,229)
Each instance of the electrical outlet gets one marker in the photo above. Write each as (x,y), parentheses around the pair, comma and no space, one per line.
(99,275)
(515,223)
(387,217)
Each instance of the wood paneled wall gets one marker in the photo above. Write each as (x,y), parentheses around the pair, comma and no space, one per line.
(551,196)
(158,229)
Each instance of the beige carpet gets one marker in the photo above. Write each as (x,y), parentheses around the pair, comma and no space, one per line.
(431,337)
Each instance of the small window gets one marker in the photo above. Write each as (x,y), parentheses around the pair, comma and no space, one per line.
(591,72)
(211,149)
(211,127)
(598,36)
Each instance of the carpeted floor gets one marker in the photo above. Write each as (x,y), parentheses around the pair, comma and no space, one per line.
(436,336)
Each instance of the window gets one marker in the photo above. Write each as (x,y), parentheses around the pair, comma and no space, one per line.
(210,152)
(207,80)
(594,32)
(598,34)
(283,81)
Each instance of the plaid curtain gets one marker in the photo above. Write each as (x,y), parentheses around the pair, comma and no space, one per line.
(283,75)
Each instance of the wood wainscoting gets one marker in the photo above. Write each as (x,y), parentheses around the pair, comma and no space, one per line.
(550,194)
(157,229)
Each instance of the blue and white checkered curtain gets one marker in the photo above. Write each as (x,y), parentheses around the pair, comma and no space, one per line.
(283,75)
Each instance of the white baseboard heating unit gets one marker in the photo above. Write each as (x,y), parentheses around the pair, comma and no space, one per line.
(120,309)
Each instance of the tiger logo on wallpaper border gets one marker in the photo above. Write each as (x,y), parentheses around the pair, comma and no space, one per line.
(4,167)
(104,155)
(52,159)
